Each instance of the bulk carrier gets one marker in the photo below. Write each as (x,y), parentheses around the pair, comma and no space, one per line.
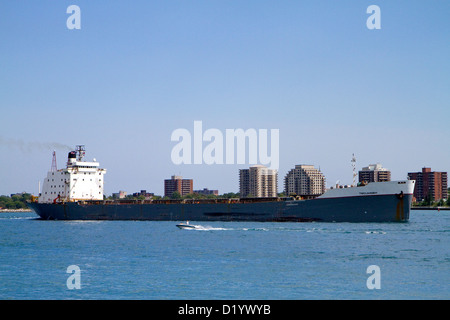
(76,193)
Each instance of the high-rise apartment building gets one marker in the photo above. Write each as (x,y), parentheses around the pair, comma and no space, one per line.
(374,173)
(304,180)
(429,184)
(258,181)
(177,183)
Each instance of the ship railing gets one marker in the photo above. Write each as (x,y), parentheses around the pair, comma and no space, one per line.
(190,201)
(261,199)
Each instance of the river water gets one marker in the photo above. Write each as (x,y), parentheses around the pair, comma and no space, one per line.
(224,260)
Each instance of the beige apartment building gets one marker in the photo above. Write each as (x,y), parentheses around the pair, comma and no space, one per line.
(258,182)
(304,180)
(374,173)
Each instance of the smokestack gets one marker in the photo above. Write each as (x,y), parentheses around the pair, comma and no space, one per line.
(71,157)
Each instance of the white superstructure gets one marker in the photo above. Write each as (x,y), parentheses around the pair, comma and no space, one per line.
(80,180)
(375,188)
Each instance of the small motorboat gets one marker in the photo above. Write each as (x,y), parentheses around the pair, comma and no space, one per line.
(186,225)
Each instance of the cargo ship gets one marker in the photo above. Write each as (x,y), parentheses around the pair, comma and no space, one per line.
(76,193)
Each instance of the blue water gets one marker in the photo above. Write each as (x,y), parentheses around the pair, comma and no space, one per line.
(156,260)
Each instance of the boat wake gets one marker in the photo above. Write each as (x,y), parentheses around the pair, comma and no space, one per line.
(375,232)
(210,228)
(206,228)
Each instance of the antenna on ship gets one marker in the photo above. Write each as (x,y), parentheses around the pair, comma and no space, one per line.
(81,151)
(354,170)
(54,168)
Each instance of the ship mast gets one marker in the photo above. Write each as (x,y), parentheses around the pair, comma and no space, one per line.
(54,167)
(353,161)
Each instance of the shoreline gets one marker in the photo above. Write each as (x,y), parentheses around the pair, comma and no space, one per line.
(430,208)
(412,208)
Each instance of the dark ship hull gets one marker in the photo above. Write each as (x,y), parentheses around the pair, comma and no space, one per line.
(367,208)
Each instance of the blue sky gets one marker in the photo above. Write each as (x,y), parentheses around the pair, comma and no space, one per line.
(138,70)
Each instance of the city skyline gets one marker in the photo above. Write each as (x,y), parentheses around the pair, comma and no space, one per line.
(177,183)
(280,178)
(135,73)
(185,186)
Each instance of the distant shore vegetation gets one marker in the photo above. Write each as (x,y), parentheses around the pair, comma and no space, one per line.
(430,202)
(15,201)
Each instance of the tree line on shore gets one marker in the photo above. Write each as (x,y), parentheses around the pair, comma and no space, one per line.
(430,202)
(15,201)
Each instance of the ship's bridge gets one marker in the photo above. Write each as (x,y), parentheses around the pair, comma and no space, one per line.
(83,166)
